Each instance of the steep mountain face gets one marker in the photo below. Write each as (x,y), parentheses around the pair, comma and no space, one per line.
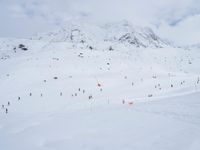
(126,33)
(118,33)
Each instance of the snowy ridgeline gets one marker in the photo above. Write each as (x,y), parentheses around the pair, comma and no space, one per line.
(84,88)
(117,33)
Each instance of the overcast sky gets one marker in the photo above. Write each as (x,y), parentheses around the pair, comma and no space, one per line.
(177,20)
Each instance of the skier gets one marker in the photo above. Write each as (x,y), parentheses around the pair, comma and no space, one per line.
(90,97)
(123,101)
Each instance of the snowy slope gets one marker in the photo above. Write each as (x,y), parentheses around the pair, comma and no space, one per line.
(171,123)
(66,94)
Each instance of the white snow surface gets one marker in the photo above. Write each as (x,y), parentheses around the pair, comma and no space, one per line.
(141,98)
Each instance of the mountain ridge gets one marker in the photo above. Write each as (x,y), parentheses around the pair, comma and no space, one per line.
(119,33)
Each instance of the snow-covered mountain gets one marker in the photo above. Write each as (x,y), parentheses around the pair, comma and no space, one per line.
(119,32)
(109,87)
(125,32)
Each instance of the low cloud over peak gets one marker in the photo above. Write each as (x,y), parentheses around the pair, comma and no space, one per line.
(168,18)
